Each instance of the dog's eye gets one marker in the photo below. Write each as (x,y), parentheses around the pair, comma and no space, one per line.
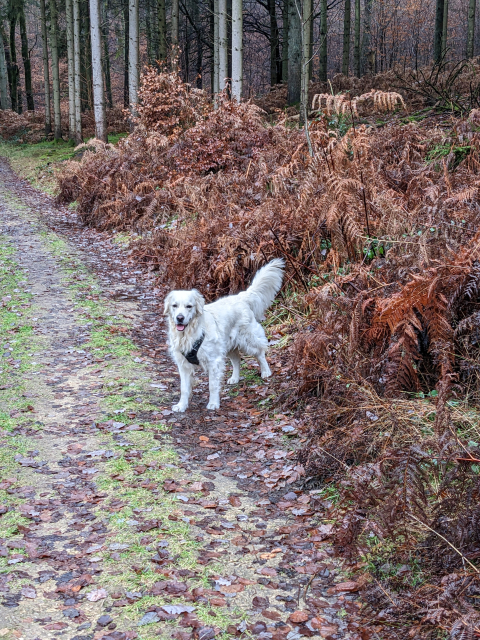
(174,306)
(189,306)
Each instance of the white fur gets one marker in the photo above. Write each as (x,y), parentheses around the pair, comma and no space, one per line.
(231,327)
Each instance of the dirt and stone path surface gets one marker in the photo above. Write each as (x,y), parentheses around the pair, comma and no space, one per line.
(118,518)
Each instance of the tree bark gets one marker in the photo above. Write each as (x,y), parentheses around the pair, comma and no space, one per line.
(71,70)
(216,48)
(57,116)
(46,69)
(27,67)
(285,17)
(237,49)
(445,28)
(14,70)
(438,31)
(126,29)
(294,53)
(346,37)
(106,55)
(175,33)
(133,54)
(306,20)
(3,77)
(274,42)
(76,67)
(323,41)
(471,28)
(356,42)
(222,44)
(162,31)
(367,26)
(98,92)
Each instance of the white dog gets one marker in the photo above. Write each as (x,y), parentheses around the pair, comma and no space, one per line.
(207,335)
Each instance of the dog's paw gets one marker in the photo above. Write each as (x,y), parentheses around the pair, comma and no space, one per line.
(266,374)
(233,380)
(181,408)
(212,406)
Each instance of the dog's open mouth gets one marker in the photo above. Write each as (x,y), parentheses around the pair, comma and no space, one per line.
(180,327)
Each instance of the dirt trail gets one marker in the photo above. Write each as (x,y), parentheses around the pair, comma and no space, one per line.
(113,509)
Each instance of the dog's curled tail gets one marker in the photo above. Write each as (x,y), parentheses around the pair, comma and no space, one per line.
(265,286)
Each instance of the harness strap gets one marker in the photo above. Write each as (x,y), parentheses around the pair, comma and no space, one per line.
(191,356)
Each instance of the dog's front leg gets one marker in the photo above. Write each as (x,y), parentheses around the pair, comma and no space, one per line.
(186,371)
(215,374)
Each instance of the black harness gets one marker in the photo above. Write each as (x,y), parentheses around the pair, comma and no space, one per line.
(191,356)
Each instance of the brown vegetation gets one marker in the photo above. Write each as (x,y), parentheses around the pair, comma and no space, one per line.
(379,230)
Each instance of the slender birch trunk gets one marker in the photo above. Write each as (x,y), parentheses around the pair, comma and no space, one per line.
(133,54)
(216,48)
(222,44)
(126,43)
(175,33)
(71,70)
(3,77)
(306,19)
(77,66)
(346,37)
(294,54)
(237,49)
(57,117)
(46,69)
(285,18)
(471,28)
(27,67)
(98,92)
(323,41)
(356,41)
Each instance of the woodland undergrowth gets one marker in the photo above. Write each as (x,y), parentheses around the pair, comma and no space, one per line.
(380,235)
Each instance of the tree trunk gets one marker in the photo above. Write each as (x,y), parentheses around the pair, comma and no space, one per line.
(285,36)
(162,31)
(445,28)
(367,26)
(294,54)
(216,48)
(150,31)
(222,44)
(237,49)
(76,68)
(323,41)
(306,20)
(106,55)
(126,29)
(26,57)
(346,37)
(175,33)
(3,77)
(71,70)
(8,60)
(57,116)
(14,70)
(46,70)
(471,28)
(98,92)
(274,38)
(438,31)
(133,54)
(356,41)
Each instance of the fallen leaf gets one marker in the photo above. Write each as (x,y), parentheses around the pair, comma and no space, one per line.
(299,616)
(28,592)
(97,594)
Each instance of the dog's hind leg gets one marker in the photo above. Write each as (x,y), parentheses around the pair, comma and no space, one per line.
(186,371)
(235,360)
(262,361)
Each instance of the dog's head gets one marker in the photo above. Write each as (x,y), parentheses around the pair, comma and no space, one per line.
(183,307)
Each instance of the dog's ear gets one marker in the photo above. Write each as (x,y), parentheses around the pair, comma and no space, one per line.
(199,301)
(166,308)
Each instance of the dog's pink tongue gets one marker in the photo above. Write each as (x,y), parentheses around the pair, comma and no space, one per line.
(180,327)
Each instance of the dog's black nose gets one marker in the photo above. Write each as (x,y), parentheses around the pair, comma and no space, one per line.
(180,318)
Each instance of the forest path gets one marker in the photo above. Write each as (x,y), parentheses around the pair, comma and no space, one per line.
(118,519)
